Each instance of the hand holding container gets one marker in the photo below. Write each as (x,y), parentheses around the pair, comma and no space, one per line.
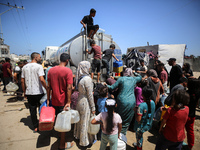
(93,128)
(63,122)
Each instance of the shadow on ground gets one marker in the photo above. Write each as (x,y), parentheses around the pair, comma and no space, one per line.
(12,99)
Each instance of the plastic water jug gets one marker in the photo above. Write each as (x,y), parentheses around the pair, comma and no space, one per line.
(117,66)
(43,99)
(93,128)
(63,122)
(47,118)
(162,98)
(163,112)
(121,145)
(44,104)
(12,87)
(75,118)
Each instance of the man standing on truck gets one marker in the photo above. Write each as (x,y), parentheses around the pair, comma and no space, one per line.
(96,63)
(108,54)
(88,20)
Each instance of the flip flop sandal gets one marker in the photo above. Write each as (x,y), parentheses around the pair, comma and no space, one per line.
(35,131)
(69,145)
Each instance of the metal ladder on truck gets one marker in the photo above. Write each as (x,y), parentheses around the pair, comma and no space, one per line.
(84,43)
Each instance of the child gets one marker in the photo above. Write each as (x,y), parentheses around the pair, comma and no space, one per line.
(111,124)
(103,93)
(144,116)
(175,119)
(138,92)
(194,92)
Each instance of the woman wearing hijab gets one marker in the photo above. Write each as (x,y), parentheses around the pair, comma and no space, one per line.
(85,104)
(155,83)
(126,97)
(187,71)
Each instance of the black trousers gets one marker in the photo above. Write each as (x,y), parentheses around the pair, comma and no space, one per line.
(6,80)
(34,102)
(19,91)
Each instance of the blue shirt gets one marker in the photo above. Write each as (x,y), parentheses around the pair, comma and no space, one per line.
(101,104)
(147,119)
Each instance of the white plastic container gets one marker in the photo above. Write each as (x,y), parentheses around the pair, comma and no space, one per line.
(121,145)
(75,117)
(63,122)
(12,87)
(93,128)
(43,99)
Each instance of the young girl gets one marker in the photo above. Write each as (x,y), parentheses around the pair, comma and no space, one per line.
(144,116)
(111,124)
(103,94)
(138,92)
(175,119)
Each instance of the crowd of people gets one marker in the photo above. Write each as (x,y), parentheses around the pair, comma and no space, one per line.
(132,101)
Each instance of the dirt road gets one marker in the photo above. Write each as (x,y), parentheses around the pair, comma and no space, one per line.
(16,130)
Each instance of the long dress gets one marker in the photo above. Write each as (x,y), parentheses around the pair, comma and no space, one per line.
(85,105)
(125,99)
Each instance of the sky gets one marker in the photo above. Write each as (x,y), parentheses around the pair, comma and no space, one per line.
(130,22)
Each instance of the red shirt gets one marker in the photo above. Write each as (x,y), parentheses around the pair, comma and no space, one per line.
(97,51)
(59,77)
(163,75)
(5,71)
(175,125)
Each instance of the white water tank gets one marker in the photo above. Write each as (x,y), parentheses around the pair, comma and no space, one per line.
(76,46)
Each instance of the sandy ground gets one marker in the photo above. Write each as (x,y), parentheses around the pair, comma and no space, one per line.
(16,130)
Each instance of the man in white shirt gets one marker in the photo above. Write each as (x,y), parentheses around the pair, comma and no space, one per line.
(32,80)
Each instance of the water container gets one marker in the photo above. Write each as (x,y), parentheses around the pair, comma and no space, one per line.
(75,118)
(93,128)
(117,63)
(121,145)
(162,99)
(44,104)
(117,66)
(47,118)
(63,122)
(163,112)
(43,99)
(12,87)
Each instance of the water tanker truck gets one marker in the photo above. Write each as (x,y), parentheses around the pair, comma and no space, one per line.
(77,45)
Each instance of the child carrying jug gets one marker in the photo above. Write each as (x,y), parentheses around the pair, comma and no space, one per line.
(111,124)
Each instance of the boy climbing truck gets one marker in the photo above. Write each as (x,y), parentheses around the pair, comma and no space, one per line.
(88,20)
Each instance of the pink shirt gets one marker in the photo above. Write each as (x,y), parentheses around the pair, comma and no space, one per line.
(116,120)
(97,51)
